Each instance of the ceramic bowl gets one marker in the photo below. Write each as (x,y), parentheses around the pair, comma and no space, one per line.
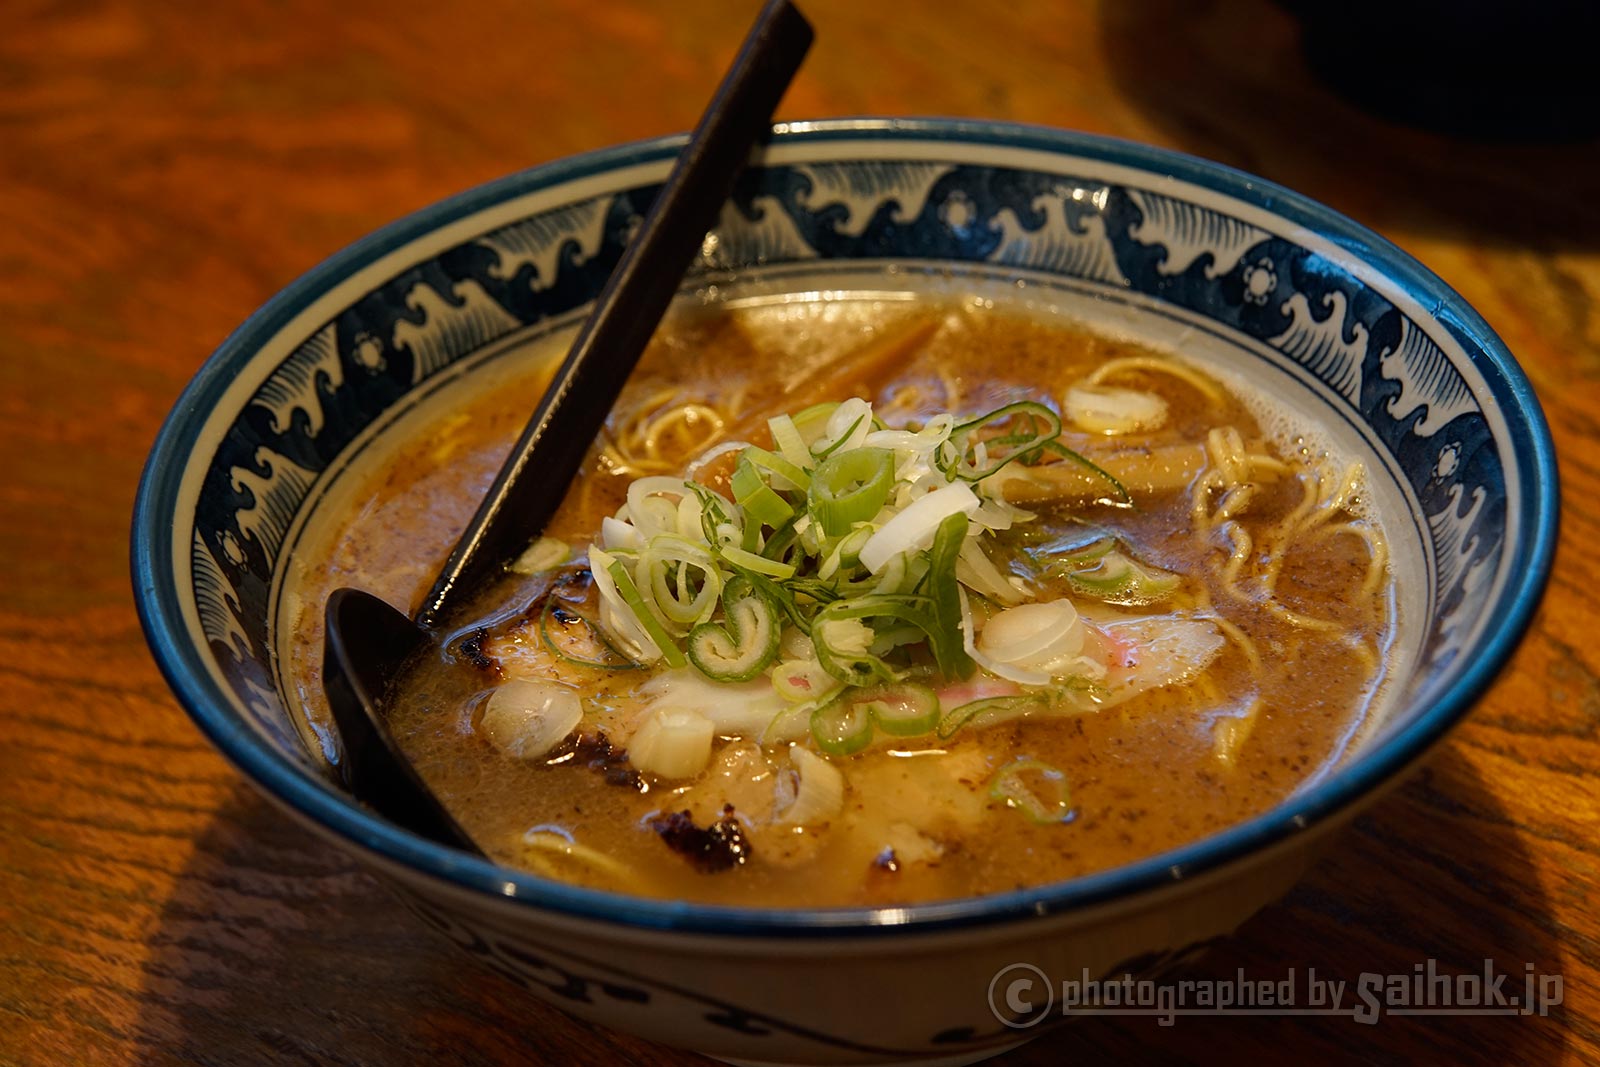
(1313,309)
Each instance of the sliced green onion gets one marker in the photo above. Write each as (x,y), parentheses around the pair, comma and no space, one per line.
(892,578)
(816,542)
(802,680)
(1117,579)
(1043,427)
(820,591)
(758,499)
(760,564)
(913,528)
(782,474)
(812,423)
(852,661)
(649,507)
(1058,700)
(838,444)
(1079,558)
(916,574)
(572,638)
(665,564)
(889,640)
(844,648)
(904,710)
(841,727)
(1030,408)
(744,644)
(1034,788)
(861,666)
(990,710)
(846,553)
(544,554)
(944,639)
(781,547)
(641,611)
(1123,496)
(851,487)
(790,443)
(714,514)
(779,594)
(852,544)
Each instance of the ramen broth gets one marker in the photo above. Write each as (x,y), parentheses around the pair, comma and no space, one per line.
(1285,579)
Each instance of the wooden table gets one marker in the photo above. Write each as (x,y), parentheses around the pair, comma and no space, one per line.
(164,168)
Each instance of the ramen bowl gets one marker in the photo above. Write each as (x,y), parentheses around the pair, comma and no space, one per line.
(1323,316)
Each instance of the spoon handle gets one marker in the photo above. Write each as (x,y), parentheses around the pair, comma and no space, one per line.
(525,495)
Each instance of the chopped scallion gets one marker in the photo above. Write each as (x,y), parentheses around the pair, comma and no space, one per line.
(841,727)
(1117,578)
(652,626)
(850,487)
(758,499)
(904,710)
(1034,788)
(790,444)
(990,710)
(742,646)
(782,475)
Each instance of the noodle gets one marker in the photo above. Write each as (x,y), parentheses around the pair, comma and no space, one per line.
(1158,366)
(1230,468)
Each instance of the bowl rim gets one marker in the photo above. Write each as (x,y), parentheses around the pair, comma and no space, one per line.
(335,813)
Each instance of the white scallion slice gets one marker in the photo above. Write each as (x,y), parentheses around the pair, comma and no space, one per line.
(978,572)
(1110,410)
(653,504)
(791,445)
(847,427)
(617,616)
(1034,637)
(802,680)
(543,554)
(672,743)
(821,793)
(526,718)
(912,529)
(736,709)
(998,668)
(614,534)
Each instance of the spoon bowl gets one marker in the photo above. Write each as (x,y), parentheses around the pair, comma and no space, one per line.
(367,643)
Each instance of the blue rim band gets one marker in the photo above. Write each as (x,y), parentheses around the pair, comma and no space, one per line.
(292,785)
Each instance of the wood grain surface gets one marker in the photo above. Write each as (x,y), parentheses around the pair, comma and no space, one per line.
(164,168)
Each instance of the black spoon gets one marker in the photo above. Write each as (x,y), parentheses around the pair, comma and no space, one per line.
(367,640)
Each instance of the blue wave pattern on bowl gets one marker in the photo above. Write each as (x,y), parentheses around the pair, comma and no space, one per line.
(1233,273)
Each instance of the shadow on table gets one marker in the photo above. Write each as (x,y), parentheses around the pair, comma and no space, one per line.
(274,948)
(1353,105)
(277,949)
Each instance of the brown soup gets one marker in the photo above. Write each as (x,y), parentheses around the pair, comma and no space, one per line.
(1234,665)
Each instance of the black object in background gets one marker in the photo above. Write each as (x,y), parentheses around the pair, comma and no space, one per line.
(1497,70)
